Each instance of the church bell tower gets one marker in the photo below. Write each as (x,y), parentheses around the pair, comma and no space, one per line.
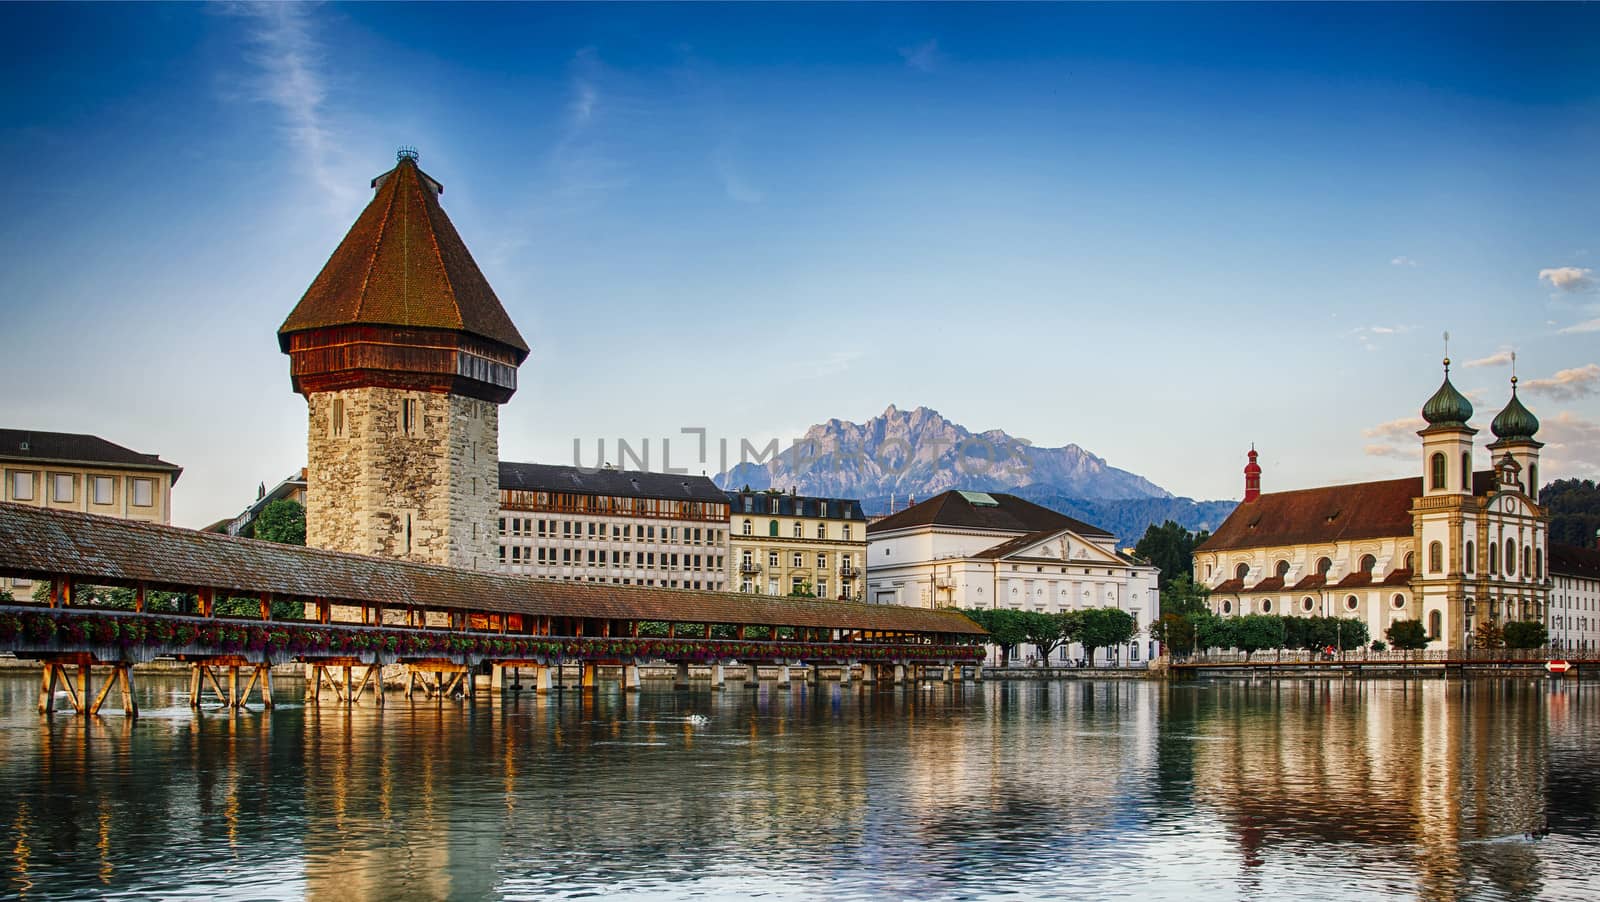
(404,355)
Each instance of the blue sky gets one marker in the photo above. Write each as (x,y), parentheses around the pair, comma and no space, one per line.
(1160,232)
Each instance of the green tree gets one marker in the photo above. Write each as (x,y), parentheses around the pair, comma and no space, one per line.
(1045,632)
(1211,631)
(282,521)
(803,590)
(1182,596)
(1104,628)
(1525,634)
(1574,508)
(1256,632)
(1487,635)
(1407,635)
(1170,547)
(1004,626)
(1176,633)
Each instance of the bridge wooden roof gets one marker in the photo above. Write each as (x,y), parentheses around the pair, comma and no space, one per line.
(41,543)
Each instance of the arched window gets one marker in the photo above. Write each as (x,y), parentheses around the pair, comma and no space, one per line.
(1323,566)
(1437,466)
(1472,557)
(1466,471)
(1538,564)
(1435,558)
(1435,624)
(1241,571)
(1494,558)
(1282,569)
(748,527)
(1411,560)
(1533,481)
(1368,564)
(1527,560)
(799,530)
(1511,557)
(772,528)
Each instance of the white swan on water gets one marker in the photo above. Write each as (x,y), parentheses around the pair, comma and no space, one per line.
(698,720)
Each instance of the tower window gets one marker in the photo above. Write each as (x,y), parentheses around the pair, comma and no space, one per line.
(1533,481)
(336,418)
(1438,478)
(1368,564)
(1435,625)
(1494,558)
(1435,557)
(410,422)
(1466,471)
(1511,557)
(1472,557)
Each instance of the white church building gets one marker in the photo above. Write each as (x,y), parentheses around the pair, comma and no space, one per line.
(993,550)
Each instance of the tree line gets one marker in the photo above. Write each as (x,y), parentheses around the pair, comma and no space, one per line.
(1092,628)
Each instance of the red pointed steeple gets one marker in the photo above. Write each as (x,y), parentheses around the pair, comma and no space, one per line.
(1252,477)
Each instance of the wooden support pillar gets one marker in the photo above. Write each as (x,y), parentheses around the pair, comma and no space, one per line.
(470,679)
(956,671)
(977,671)
(85,686)
(266,687)
(587,675)
(249,685)
(124,675)
(194,685)
(716,676)
(348,696)
(899,674)
(541,680)
(138,599)
(753,681)
(234,701)
(314,683)
(497,678)
(681,680)
(869,674)
(844,673)
(104,691)
(47,688)
(945,675)
(783,674)
(813,674)
(630,677)
(375,671)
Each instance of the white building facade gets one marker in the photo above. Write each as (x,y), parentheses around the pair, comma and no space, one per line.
(983,550)
(1575,597)
(612,526)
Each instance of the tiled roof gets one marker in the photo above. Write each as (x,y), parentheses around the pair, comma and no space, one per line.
(403,264)
(71,447)
(1229,586)
(41,543)
(1334,513)
(1572,560)
(795,505)
(1398,578)
(1270,584)
(1008,514)
(618,483)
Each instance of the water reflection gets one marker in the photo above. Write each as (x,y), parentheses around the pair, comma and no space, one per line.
(1301,789)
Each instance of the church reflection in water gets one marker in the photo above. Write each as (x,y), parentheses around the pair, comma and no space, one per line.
(1410,789)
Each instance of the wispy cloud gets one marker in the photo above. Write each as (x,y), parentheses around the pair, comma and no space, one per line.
(1367,334)
(1567,385)
(291,75)
(1402,261)
(1403,428)
(1386,451)
(1570,279)
(582,161)
(730,172)
(1592,325)
(924,57)
(1498,358)
(1572,445)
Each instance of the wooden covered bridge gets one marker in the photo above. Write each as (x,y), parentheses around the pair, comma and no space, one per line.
(441,625)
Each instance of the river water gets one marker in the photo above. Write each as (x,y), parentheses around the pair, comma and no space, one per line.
(1096,789)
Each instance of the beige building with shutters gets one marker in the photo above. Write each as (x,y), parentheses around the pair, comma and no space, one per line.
(787,544)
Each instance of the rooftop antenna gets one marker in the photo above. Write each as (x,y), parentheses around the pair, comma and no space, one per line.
(406,152)
(1513,371)
(1447,352)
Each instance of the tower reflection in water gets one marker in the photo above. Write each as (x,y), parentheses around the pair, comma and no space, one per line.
(1391,788)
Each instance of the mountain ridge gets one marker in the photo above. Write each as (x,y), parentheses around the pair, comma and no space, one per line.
(904,454)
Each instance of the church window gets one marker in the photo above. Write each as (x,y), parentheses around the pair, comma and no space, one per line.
(1533,481)
(1435,625)
(1511,557)
(1538,564)
(1241,571)
(1227,607)
(1494,558)
(1351,602)
(1266,606)
(1323,566)
(1368,564)
(1437,465)
(1435,558)
(1283,569)
(1308,603)
(1466,471)
(1399,602)
(1472,556)
(1527,556)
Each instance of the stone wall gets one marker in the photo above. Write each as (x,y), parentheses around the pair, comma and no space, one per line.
(429,493)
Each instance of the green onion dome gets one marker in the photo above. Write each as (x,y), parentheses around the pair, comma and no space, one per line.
(1447,407)
(1516,421)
